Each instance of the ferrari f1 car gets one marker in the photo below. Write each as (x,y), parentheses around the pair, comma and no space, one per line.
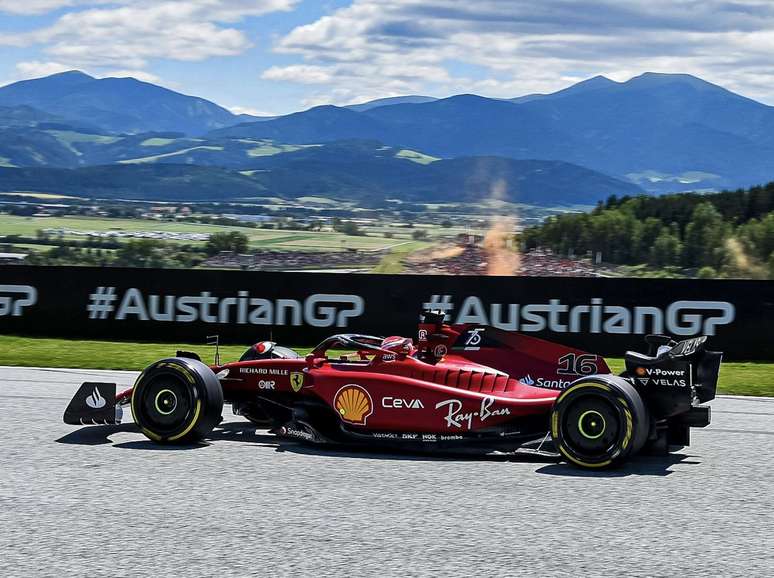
(458,388)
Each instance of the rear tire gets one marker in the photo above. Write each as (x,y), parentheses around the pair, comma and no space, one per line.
(599,421)
(177,400)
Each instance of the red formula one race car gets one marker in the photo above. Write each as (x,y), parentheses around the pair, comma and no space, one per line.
(459,388)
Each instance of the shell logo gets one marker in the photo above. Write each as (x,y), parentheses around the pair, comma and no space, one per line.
(640,371)
(353,404)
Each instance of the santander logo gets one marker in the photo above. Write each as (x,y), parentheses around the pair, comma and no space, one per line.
(95,400)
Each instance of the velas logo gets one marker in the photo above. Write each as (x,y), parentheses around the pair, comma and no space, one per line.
(353,404)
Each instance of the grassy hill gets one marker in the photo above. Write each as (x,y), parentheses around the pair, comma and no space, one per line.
(177,168)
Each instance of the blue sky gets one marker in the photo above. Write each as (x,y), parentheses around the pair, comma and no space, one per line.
(278,56)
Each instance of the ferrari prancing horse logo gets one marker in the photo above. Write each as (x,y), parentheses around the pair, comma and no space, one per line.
(296,380)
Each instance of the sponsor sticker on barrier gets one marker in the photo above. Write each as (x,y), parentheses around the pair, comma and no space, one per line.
(319,310)
(684,317)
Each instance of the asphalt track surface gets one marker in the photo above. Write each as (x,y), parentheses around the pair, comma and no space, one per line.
(104,501)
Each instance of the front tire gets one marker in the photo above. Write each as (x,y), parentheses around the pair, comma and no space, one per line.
(177,400)
(599,421)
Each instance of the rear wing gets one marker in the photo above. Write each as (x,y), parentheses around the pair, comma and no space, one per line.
(678,366)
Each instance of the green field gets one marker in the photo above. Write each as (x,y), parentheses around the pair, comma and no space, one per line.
(258,238)
(154,158)
(41,196)
(69,137)
(392,263)
(736,378)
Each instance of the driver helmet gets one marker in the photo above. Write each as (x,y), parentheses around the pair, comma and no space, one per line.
(398,344)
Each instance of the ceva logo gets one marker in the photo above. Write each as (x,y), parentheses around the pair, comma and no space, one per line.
(398,403)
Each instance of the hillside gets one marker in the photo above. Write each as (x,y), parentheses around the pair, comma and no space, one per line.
(355,170)
(120,105)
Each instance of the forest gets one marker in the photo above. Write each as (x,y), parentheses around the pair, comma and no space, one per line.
(728,234)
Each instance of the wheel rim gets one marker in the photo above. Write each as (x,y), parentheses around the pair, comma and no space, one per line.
(591,424)
(165,404)
(591,427)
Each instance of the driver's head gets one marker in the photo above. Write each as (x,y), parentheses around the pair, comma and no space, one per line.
(397,344)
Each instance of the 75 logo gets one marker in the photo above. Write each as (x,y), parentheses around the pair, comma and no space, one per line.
(474,337)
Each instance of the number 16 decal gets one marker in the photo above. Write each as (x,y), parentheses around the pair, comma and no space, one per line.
(572,364)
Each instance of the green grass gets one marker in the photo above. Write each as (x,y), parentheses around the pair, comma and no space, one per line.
(157,142)
(32,247)
(35,352)
(269,149)
(737,378)
(154,158)
(318,201)
(42,196)
(392,263)
(416,157)
(258,238)
(68,137)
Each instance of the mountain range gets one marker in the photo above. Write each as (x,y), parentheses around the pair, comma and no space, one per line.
(118,105)
(663,131)
(655,132)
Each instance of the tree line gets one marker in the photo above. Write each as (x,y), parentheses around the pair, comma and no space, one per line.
(727,234)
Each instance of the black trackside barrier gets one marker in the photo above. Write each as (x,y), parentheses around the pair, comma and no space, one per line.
(605,316)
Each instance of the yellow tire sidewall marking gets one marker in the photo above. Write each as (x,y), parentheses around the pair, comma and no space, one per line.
(190,425)
(555,424)
(155,436)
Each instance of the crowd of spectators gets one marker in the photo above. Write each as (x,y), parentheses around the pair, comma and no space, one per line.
(293,260)
(473,260)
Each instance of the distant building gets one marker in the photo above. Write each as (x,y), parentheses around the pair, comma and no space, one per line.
(470,239)
(13,258)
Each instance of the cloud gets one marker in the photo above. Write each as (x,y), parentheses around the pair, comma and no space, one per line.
(506,48)
(33,6)
(138,74)
(250,111)
(129,33)
(37,69)
(27,7)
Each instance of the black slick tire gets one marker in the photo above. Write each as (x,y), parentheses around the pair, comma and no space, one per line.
(177,400)
(599,421)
